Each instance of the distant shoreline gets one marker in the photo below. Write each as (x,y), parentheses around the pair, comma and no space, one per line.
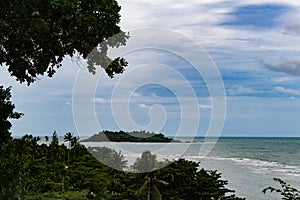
(190,137)
(134,136)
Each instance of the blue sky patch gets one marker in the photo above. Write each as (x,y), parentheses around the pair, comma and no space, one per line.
(258,16)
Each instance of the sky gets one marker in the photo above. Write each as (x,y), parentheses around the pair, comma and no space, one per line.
(248,86)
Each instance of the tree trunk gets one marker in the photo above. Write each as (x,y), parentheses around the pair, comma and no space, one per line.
(149,192)
(68,156)
(69,153)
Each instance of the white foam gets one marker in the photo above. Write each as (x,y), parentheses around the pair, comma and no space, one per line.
(175,152)
(262,166)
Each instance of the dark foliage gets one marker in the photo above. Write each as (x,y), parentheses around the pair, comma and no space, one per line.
(6,112)
(287,192)
(36,35)
(30,170)
(121,136)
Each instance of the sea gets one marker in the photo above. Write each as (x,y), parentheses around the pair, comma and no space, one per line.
(248,163)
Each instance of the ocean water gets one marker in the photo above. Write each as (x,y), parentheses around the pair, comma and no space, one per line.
(249,164)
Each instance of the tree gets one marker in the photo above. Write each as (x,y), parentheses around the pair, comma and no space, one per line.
(117,164)
(34,146)
(146,163)
(287,192)
(74,145)
(150,185)
(46,139)
(36,35)
(55,149)
(68,138)
(118,161)
(186,181)
(7,112)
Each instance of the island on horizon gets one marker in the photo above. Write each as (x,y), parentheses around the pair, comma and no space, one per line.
(134,136)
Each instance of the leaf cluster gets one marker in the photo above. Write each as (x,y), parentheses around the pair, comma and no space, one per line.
(286,191)
(7,112)
(36,35)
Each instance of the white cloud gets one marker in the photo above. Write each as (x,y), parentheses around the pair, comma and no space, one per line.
(284,79)
(287,90)
(99,100)
(203,106)
(241,90)
(142,105)
(290,22)
(135,95)
(201,21)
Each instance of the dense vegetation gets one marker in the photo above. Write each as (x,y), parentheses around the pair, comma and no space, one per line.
(121,136)
(7,112)
(30,170)
(36,35)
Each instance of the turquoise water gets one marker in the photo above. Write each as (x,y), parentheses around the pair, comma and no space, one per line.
(250,164)
(281,150)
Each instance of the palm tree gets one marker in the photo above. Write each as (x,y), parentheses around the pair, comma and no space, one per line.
(150,185)
(21,148)
(68,138)
(55,148)
(46,139)
(117,164)
(146,163)
(54,141)
(34,145)
(74,145)
(118,161)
